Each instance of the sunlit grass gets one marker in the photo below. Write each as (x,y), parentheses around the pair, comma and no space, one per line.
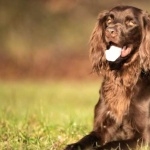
(45,115)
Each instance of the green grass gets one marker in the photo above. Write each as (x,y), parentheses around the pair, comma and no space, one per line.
(45,116)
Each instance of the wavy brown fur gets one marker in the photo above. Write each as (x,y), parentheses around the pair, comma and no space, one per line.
(123,109)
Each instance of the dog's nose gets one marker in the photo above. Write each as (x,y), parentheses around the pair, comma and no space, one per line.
(111,31)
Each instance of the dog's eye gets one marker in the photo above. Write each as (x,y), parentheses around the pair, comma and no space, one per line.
(130,23)
(109,20)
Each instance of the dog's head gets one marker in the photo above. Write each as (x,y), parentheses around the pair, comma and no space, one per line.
(125,27)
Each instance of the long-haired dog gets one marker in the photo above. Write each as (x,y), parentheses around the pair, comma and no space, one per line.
(120,52)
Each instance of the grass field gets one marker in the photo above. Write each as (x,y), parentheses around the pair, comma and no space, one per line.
(45,116)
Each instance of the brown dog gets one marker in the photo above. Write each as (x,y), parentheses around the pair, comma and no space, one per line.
(120,52)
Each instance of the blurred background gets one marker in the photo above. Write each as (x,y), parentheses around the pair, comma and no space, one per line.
(48,39)
(46,84)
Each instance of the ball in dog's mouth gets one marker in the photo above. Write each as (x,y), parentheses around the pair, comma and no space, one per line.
(114,52)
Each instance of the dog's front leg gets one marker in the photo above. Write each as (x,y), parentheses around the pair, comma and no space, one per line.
(87,142)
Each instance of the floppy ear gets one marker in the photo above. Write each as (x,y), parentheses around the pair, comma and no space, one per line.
(97,44)
(144,50)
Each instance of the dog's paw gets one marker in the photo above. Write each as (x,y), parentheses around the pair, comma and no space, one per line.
(74,147)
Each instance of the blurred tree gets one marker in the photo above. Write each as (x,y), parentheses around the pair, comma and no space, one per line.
(60,27)
(32,24)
